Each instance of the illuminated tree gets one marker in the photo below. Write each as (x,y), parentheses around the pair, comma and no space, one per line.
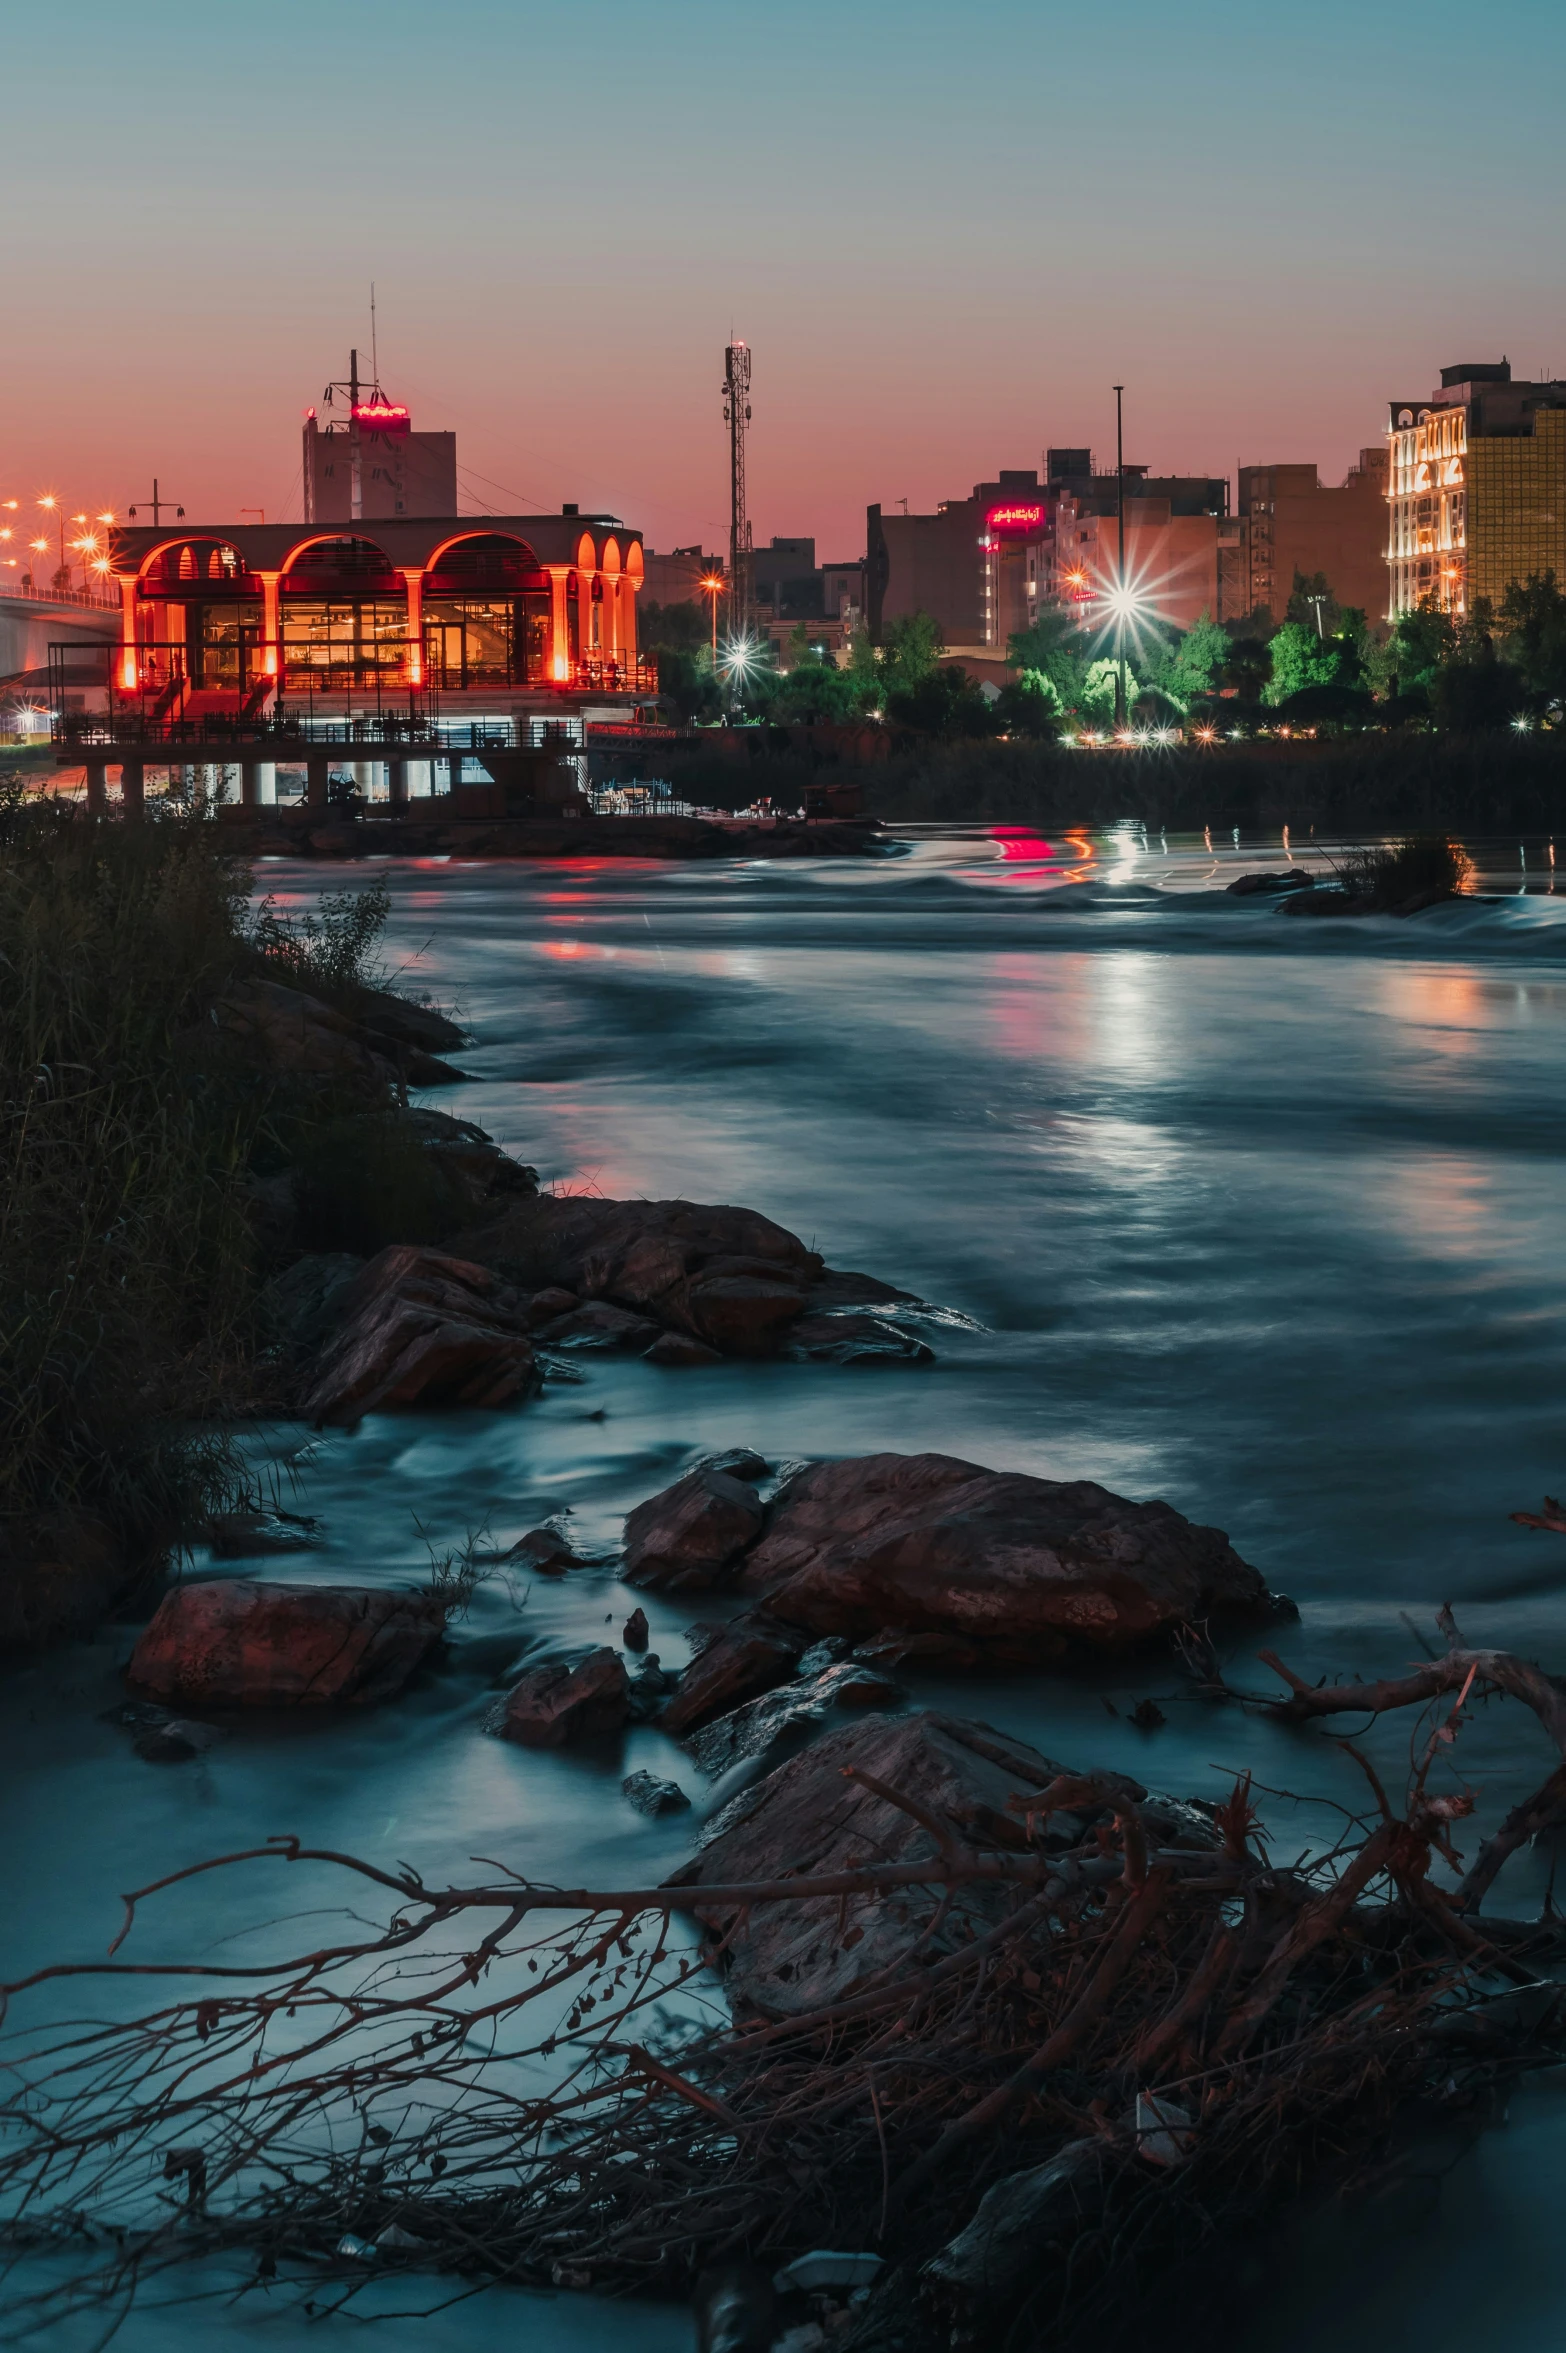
(1056,647)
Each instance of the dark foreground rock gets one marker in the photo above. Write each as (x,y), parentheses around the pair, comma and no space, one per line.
(245,1644)
(685,1539)
(722,1278)
(758,1727)
(744,1659)
(564,1701)
(289,1032)
(419,1327)
(806,1820)
(1250,886)
(985,1566)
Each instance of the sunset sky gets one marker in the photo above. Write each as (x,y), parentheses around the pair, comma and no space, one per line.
(944,232)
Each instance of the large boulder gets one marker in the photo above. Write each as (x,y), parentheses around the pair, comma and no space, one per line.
(565,1700)
(417,1327)
(805,1820)
(979,1565)
(687,1538)
(242,1643)
(723,1277)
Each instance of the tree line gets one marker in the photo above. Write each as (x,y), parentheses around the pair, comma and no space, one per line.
(1324,665)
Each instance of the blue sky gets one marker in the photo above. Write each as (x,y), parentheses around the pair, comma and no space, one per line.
(945,234)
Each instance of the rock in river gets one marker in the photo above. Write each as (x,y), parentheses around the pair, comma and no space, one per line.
(566,1700)
(690,1535)
(743,1659)
(806,1820)
(243,1643)
(983,1564)
(718,1276)
(417,1327)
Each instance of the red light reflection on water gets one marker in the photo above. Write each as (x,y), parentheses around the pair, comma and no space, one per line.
(1020,841)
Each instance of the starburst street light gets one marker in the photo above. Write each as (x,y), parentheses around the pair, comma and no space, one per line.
(713,585)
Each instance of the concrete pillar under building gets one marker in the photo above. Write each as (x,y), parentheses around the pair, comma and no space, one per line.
(250,783)
(133,788)
(317,769)
(97,787)
(397,783)
(266,783)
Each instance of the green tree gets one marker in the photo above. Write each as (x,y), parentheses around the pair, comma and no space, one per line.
(1312,593)
(1098,690)
(1421,642)
(1299,659)
(1193,664)
(1533,621)
(1058,648)
(944,703)
(910,649)
(1029,705)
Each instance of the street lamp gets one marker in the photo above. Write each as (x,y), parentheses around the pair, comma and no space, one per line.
(53,506)
(712,585)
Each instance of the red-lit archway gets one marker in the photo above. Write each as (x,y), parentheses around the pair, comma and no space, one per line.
(486,613)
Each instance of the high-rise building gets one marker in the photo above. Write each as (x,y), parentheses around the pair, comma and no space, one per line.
(1293,523)
(1476,488)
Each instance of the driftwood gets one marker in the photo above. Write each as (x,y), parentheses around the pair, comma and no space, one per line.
(1148,2044)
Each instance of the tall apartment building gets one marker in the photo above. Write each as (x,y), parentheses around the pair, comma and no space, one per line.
(1476,488)
(1292,522)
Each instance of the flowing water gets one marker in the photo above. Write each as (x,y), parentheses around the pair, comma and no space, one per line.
(1260,1214)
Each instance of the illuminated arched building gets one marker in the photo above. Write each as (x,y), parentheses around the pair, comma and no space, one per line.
(474,615)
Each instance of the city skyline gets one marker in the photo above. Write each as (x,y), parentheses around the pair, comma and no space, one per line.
(942,252)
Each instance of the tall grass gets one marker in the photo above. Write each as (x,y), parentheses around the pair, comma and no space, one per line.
(125,1252)
(129,1128)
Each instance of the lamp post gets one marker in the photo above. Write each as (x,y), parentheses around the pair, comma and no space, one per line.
(52,506)
(1120,562)
(712,587)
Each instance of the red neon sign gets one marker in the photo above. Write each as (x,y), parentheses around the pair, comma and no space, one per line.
(380,416)
(1014,518)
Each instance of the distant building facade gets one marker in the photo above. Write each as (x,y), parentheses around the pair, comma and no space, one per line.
(1291,522)
(676,578)
(1476,488)
(983,566)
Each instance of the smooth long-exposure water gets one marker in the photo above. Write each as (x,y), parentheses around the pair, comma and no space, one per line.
(1258,1213)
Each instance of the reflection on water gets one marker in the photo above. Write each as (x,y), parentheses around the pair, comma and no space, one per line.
(1260,1214)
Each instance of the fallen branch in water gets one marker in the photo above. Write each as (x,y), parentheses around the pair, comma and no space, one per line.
(525,2082)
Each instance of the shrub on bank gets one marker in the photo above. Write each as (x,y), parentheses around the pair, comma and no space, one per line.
(132,1127)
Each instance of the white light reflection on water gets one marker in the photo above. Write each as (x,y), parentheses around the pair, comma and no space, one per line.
(1261,1214)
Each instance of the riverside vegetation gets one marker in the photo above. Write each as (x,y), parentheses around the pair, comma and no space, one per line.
(1023,2041)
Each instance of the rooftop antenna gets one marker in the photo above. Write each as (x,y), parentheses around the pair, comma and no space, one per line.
(375,361)
(355,447)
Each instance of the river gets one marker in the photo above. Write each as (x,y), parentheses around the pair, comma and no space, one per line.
(1260,1214)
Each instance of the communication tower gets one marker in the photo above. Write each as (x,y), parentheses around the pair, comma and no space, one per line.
(736,415)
